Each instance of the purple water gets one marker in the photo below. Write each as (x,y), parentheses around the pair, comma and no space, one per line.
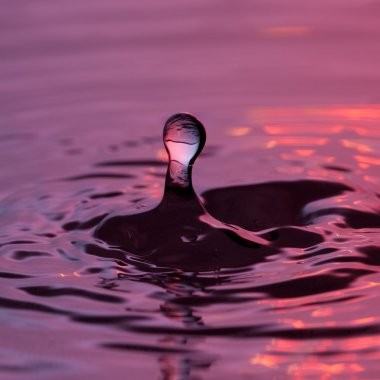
(289,96)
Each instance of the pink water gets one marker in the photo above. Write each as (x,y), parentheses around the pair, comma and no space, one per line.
(289,95)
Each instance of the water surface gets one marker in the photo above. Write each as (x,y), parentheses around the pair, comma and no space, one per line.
(288,93)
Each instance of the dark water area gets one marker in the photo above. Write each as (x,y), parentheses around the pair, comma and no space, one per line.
(269,269)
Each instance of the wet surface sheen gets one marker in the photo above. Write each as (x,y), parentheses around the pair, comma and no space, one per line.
(292,157)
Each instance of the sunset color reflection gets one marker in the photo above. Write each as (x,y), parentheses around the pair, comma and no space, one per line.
(260,260)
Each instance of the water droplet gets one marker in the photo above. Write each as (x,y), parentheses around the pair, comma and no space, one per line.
(184,138)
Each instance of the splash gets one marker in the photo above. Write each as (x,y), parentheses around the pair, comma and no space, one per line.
(179,232)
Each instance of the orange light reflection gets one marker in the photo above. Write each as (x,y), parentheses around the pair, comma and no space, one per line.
(367,160)
(318,120)
(353,113)
(286,31)
(360,147)
(73,274)
(325,371)
(305,364)
(305,129)
(326,312)
(297,141)
(269,361)
(363,321)
(304,152)
(239,131)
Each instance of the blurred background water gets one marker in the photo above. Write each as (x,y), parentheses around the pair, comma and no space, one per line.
(288,91)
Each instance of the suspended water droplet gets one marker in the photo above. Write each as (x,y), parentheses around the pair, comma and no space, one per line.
(184,138)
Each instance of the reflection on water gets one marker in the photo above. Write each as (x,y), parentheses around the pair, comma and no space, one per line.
(303,310)
(290,99)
